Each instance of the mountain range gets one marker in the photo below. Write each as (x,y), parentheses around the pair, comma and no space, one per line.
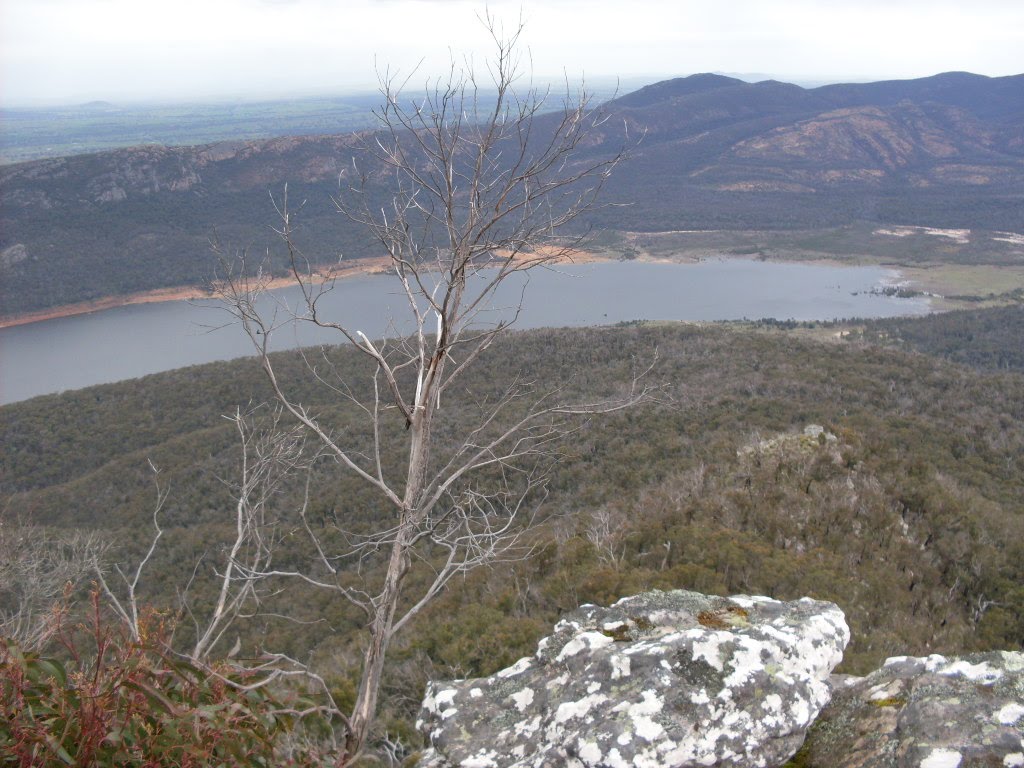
(716,153)
(721,153)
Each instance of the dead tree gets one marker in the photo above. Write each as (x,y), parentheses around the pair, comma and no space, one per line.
(483,176)
(268,454)
(39,570)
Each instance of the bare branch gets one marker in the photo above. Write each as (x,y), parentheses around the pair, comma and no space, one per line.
(127,608)
(481,188)
(39,570)
(268,456)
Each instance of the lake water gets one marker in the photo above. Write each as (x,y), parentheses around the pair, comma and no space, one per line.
(126,342)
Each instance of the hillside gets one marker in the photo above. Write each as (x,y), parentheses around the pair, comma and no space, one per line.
(906,510)
(991,340)
(717,153)
(720,153)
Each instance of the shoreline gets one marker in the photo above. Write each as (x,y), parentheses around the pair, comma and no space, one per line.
(375,265)
(369,266)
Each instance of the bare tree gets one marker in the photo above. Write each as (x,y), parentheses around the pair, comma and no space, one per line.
(482,178)
(127,606)
(39,569)
(268,454)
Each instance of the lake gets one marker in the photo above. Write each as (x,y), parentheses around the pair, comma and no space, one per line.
(127,342)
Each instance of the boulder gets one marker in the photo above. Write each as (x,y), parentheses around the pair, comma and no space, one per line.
(932,712)
(659,679)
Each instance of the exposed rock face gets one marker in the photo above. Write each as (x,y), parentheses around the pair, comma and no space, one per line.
(929,712)
(659,679)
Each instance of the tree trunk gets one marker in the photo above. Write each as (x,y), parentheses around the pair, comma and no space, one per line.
(365,707)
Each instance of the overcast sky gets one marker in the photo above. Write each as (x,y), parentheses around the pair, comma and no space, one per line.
(70,51)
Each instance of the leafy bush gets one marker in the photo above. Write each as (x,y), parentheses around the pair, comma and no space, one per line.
(115,702)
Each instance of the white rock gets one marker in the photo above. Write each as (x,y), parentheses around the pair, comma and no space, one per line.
(659,679)
(942,758)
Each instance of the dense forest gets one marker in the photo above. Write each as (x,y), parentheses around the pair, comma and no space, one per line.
(905,510)
(989,339)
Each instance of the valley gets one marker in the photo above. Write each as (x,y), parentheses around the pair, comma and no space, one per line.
(810,299)
(34,133)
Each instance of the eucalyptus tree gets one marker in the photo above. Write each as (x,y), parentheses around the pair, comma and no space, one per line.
(482,174)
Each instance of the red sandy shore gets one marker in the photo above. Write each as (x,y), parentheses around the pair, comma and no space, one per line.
(109,302)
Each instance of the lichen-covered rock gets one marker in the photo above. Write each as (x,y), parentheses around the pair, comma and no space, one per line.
(659,679)
(932,712)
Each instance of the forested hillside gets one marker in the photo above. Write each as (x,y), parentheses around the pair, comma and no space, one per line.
(716,154)
(906,510)
(988,339)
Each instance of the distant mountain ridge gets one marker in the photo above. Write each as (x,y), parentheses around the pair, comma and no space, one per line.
(667,90)
(950,128)
(717,153)
(961,89)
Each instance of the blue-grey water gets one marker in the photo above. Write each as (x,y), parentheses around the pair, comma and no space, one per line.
(127,342)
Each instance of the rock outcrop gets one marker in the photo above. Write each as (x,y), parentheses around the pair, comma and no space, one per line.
(659,679)
(932,712)
(12,255)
